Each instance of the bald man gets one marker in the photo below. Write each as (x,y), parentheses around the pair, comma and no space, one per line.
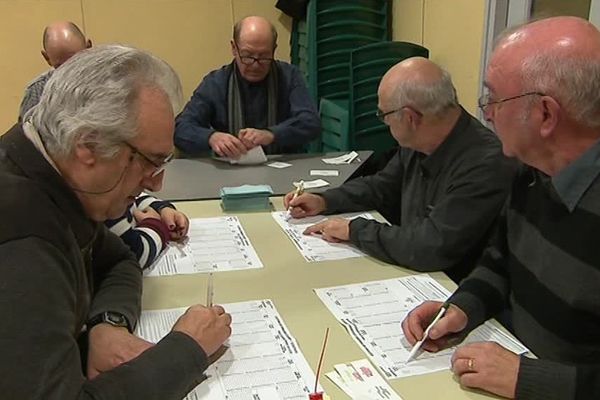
(441,191)
(253,101)
(543,99)
(60,42)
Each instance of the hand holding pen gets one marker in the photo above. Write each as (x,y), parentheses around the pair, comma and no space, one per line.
(299,190)
(303,204)
(433,323)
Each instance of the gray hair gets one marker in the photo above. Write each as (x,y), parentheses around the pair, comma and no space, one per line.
(430,98)
(92,98)
(573,81)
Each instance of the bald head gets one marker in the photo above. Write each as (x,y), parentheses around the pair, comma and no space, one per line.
(559,57)
(419,83)
(61,41)
(255,30)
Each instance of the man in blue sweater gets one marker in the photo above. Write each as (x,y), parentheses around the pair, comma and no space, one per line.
(254,101)
(543,100)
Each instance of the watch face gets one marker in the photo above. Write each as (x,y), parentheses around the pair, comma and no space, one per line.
(116,319)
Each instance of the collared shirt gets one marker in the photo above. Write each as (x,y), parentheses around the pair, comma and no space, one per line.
(441,206)
(573,181)
(33,93)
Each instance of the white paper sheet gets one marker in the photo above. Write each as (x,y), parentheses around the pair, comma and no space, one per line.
(317,183)
(213,244)
(279,164)
(263,362)
(313,248)
(343,159)
(324,172)
(361,381)
(372,313)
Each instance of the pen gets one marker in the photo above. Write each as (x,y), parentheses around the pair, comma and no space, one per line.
(418,345)
(298,192)
(210,291)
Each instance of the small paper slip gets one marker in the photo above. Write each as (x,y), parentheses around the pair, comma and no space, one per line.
(324,172)
(278,165)
(360,380)
(317,183)
(254,156)
(343,159)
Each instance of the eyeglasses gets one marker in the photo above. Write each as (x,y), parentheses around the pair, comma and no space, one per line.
(381,115)
(484,101)
(157,167)
(249,60)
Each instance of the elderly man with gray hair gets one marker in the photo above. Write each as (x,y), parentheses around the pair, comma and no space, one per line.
(71,290)
(442,190)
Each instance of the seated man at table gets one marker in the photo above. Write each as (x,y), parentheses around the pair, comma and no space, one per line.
(71,291)
(543,100)
(61,40)
(254,101)
(441,191)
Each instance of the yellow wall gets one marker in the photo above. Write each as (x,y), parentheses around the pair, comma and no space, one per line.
(453,33)
(192,35)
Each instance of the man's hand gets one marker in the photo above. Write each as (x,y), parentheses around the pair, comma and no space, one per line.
(177,222)
(414,325)
(226,145)
(487,366)
(305,205)
(256,137)
(110,346)
(210,327)
(141,215)
(333,230)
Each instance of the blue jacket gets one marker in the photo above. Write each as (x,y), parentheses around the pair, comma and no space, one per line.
(206,112)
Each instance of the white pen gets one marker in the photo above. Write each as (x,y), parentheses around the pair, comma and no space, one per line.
(298,192)
(418,345)
(210,291)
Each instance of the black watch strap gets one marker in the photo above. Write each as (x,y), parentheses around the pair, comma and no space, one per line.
(110,317)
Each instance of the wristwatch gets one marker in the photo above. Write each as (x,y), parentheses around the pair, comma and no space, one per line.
(110,317)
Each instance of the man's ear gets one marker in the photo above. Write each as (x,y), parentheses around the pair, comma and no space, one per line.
(550,116)
(88,44)
(45,55)
(414,118)
(84,150)
(233,50)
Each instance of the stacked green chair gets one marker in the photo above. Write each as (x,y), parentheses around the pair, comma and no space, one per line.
(351,123)
(322,42)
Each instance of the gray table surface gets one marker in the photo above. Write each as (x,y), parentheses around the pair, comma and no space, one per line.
(203,178)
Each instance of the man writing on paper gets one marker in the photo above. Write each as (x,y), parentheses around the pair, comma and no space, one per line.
(254,101)
(71,290)
(543,83)
(441,191)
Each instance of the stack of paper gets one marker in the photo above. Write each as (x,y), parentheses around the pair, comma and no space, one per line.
(361,381)
(246,197)
(343,159)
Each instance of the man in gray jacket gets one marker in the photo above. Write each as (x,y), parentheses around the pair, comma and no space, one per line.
(442,190)
(70,291)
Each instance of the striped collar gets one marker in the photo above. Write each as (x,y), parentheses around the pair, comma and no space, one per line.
(573,181)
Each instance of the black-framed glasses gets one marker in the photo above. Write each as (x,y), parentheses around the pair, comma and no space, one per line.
(484,101)
(249,60)
(381,115)
(157,166)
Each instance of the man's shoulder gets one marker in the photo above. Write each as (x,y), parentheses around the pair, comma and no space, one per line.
(40,80)
(27,210)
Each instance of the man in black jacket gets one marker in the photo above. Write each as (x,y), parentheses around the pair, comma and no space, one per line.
(441,191)
(101,134)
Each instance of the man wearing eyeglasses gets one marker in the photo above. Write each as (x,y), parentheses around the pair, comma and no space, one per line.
(254,101)
(441,191)
(543,99)
(70,292)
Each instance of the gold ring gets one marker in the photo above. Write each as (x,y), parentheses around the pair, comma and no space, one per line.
(470,364)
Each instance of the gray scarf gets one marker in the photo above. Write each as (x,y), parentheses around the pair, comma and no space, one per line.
(235,112)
